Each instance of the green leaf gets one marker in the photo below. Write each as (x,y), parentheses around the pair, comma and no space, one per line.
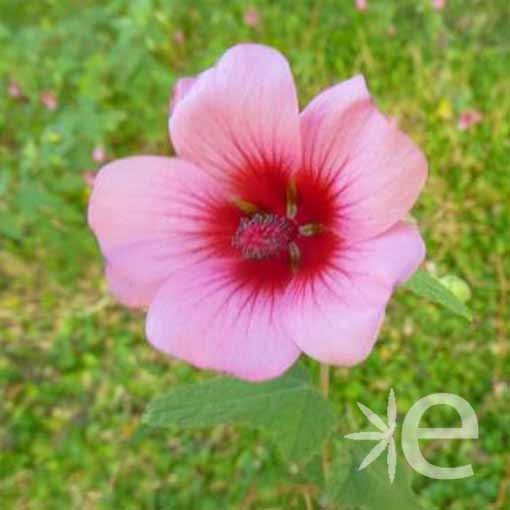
(369,489)
(289,409)
(457,286)
(425,285)
(311,472)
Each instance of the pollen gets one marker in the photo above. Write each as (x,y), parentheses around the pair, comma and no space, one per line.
(264,235)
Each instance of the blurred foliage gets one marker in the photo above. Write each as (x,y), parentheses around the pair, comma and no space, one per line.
(75,372)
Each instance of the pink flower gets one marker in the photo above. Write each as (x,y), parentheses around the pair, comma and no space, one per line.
(179,37)
(361,5)
(99,154)
(438,4)
(468,119)
(14,90)
(89,178)
(251,17)
(272,232)
(49,100)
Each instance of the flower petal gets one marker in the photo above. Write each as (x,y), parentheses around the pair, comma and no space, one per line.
(241,113)
(337,320)
(202,316)
(377,171)
(129,293)
(181,88)
(147,212)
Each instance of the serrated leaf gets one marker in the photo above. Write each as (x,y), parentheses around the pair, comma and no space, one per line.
(289,409)
(425,285)
(369,489)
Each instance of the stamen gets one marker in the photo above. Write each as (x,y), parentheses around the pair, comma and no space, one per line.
(295,256)
(245,206)
(311,229)
(292,207)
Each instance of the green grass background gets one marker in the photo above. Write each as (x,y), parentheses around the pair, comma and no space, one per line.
(75,370)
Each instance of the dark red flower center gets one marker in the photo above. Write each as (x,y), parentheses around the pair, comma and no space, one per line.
(276,228)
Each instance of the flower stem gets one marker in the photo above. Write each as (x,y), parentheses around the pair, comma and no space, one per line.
(308,501)
(325,380)
(324,386)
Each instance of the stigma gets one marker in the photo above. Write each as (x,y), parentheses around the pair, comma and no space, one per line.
(264,235)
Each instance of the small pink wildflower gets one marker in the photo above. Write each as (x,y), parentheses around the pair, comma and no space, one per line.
(14,90)
(251,17)
(179,37)
(438,4)
(468,119)
(99,154)
(361,5)
(272,232)
(49,100)
(89,177)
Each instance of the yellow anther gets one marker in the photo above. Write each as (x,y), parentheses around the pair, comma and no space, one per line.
(292,207)
(310,229)
(245,206)
(295,256)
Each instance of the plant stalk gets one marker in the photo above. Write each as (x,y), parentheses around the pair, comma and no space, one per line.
(324,380)
(324,387)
